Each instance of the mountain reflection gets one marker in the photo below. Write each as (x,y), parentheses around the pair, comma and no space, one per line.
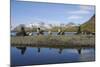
(60,50)
(38,49)
(79,50)
(23,49)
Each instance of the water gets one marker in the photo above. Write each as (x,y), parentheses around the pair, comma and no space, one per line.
(46,33)
(36,55)
(13,33)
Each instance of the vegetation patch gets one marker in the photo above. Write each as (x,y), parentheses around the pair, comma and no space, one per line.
(61,40)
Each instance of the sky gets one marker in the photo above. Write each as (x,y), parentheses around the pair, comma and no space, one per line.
(49,13)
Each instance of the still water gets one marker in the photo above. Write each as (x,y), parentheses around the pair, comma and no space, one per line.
(46,33)
(36,55)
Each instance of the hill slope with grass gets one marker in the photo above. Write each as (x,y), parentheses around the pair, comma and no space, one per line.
(89,25)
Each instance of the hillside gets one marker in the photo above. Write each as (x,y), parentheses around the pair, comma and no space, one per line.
(89,25)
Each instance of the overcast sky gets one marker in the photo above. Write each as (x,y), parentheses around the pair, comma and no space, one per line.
(34,12)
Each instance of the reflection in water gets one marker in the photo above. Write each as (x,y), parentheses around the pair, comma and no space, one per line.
(79,50)
(60,50)
(32,55)
(50,48)
(23,49)
(38,49)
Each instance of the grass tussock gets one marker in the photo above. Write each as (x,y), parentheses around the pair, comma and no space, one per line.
(61,40)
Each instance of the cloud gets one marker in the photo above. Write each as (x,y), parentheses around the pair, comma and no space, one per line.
(74,17)
(79,12)
(83,10)
(87,7)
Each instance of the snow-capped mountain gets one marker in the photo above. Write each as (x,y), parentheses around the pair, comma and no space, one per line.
(36,25)
(44,25)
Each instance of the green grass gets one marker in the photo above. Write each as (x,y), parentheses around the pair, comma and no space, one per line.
(89,25)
